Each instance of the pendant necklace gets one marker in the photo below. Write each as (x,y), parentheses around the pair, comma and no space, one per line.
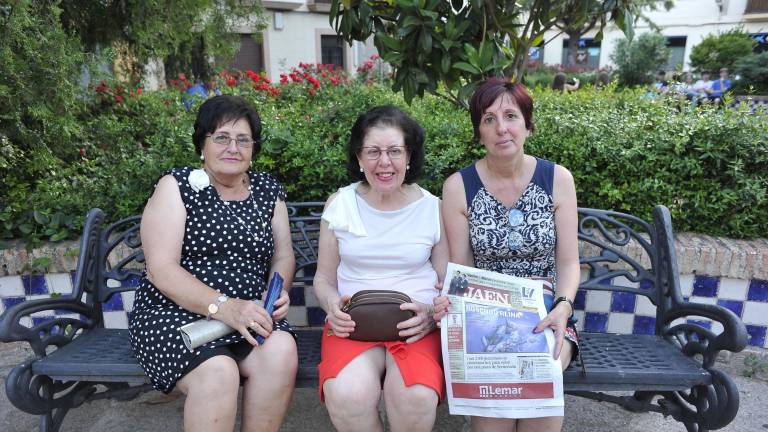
(260,220)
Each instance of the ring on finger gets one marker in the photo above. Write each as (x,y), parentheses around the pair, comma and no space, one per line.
(252,323)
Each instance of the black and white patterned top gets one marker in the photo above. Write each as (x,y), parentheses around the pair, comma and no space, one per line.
(519,240)
(219,251)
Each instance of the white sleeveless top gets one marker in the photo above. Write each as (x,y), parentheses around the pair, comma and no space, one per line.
(385,249)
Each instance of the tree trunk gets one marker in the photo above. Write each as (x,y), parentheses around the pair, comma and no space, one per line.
(573,45)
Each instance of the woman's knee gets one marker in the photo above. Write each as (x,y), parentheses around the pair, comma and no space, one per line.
(219,374)
(351,394)
(278,355)
(416,397)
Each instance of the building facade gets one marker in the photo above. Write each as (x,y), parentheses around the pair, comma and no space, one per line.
(297,31)
(685,25)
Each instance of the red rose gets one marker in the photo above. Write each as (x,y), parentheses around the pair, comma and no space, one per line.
(118,98)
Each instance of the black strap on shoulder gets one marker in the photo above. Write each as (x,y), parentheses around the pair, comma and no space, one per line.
(472,183)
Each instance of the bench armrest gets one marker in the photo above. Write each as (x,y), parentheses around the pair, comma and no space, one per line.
(696,339)
(57,331)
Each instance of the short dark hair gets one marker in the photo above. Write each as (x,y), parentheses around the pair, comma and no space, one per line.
(558,82)
(387,116)
(489,90)
(222,109)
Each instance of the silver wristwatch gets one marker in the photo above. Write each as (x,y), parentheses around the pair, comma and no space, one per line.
(213,308)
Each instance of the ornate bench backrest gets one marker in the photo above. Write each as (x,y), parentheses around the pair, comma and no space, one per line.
(621,253)
(121,259)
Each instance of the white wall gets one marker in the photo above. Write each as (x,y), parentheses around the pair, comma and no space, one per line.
(694,19)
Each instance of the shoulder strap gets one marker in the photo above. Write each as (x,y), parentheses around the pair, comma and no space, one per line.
(544,175)
(472,183)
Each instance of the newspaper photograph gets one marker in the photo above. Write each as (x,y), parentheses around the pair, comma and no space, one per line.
(495,365)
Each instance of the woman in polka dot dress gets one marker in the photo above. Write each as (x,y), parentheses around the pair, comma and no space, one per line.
(211,238)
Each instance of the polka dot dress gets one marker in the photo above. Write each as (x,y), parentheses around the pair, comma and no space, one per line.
(219,251)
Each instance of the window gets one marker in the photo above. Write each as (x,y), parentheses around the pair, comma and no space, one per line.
(677,45)
(587,55)
(332,50)
(250,56)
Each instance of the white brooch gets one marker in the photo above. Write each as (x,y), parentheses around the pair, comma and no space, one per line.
(198,180)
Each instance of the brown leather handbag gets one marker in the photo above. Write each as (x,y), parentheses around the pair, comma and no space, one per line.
(376,314)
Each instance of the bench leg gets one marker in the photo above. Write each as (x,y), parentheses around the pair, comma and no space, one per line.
(51,421)
(705,407)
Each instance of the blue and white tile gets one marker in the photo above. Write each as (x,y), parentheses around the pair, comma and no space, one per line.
(705,286)
(620,323)
(733,289)
(59,283)
(297,316)
(644,307)
(644,325)
(755,313)
(624,282)
(757,335)
(704,300)
(310,298)
(579,315)
(116,320)
(595,322)
(11,286)
(716,328)
(758,290)
(686,284)
(623,302)
(26,322)
(735,306)
(598,301)
(128,299)
(315,316)
(34,284)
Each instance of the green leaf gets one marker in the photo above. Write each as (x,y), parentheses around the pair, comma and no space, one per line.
(467,68)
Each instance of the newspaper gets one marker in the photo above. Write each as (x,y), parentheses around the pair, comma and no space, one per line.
(495,365)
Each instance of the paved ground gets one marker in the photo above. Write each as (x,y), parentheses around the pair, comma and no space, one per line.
(155,412)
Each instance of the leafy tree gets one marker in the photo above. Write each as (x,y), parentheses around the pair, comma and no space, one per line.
(458,42)
(721,50)
(638,59)
(147,29)
(582,16)
(753,70)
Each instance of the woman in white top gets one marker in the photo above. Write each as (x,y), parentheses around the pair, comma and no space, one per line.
(382,232)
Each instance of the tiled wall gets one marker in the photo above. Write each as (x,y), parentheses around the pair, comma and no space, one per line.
(597,311)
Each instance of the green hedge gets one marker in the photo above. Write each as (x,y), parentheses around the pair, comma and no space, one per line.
(626,152)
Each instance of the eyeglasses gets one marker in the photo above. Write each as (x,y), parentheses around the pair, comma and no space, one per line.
(373,153)
(242,141)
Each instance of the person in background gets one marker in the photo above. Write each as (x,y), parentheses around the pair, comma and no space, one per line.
(602,80)
(513,213)
(661,85)
(212,238)
(702,87)
(560,82)
(720,87)
(382,232)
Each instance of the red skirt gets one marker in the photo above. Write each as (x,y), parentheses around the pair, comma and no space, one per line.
(419,362)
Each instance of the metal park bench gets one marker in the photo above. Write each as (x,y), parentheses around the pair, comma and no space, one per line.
(671,371)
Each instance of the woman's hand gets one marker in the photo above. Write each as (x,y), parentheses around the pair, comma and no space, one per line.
(281,306)
(340,322)
(557,320)
(441,304)
(419,325)
(245,315)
